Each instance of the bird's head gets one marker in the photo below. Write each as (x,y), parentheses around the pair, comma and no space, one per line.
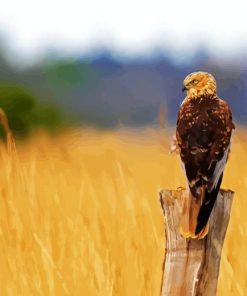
(199,83)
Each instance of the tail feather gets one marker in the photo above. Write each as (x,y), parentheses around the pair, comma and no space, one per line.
(190,211)
(207,207)
(196,210)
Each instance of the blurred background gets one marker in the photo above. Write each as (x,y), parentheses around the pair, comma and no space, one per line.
(86,84)
(115,63)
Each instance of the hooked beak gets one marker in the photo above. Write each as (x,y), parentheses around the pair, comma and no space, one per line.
(184,88)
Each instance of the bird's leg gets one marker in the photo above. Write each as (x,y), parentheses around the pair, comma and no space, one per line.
(187,215)
(188,221)
(205,230)
(184,220)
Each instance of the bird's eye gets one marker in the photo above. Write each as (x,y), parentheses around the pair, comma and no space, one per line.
(194,81)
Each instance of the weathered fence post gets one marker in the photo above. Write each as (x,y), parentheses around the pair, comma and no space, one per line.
(191,266)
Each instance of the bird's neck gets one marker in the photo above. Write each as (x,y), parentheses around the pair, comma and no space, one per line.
(198,94)
(196,98)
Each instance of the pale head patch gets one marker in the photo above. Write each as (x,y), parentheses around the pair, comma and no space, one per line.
(200,83)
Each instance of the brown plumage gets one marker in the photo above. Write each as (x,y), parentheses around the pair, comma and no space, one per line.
(203,133)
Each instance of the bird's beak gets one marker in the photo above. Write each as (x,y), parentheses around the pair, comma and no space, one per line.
(184,88)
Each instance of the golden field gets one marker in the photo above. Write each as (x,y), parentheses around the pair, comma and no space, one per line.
(80,214)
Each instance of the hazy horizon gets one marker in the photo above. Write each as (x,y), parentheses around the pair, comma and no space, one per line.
(127,29)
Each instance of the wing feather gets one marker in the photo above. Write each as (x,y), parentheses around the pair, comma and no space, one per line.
(204,128)
(203,134)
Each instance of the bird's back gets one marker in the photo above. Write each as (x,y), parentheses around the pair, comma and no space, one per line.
(204,129)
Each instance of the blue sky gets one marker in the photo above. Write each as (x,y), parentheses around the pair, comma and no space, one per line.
(129,28)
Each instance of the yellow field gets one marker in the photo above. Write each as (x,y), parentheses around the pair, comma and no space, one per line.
(80,215)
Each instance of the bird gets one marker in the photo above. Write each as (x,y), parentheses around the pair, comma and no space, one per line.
(203,138)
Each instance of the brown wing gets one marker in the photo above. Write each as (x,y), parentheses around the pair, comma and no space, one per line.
(204,128)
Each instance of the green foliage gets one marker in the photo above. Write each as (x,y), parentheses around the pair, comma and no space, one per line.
(25,114)
(68,75)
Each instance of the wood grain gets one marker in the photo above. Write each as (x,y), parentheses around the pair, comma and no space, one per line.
(191,266)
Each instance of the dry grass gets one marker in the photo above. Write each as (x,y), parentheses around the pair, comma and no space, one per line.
(80,215)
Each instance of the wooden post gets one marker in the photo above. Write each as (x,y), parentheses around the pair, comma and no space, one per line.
(191,266)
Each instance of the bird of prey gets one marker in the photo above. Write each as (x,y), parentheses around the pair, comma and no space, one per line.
(203,135)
